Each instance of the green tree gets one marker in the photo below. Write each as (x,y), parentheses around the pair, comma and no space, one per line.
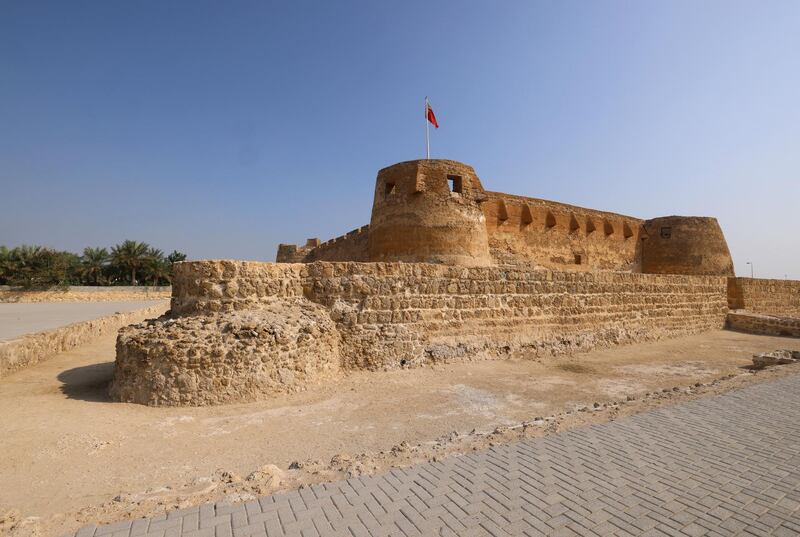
(35,266)
(176,257)
(93,265)
(130,255)
(157,266)
(5,264)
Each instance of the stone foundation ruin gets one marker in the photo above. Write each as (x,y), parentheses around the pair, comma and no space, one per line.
(240,331)
(445,271)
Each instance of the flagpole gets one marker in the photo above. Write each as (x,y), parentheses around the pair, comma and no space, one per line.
(427,133)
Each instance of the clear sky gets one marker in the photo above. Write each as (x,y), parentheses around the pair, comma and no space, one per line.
(223,128)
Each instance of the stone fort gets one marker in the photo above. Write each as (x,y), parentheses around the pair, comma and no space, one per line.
(437,211)
(445,271)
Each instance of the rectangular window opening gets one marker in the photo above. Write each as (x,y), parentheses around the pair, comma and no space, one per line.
(666,232)
(578,259)
(389,188)
(456,184)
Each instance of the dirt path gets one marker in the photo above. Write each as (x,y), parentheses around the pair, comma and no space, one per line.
(66,447)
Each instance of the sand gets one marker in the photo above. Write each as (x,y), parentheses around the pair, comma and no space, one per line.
(71,456)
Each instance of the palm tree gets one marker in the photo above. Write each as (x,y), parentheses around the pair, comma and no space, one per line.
(5,264)
(93,263)
(156,266)
(24,265)
(175,257)
(131,255)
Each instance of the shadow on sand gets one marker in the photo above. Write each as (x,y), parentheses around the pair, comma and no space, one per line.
(87,383)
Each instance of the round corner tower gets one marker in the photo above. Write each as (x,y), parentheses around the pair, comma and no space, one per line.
(686,245)
(429,211)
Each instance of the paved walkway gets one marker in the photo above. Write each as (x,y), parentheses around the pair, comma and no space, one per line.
(723,465)
(17,319)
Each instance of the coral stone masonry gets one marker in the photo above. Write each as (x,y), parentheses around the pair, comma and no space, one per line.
(243,330)
(445,271)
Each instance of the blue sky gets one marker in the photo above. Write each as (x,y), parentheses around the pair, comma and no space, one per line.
(224,128)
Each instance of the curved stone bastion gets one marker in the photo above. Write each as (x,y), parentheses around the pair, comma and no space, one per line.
(239,356)
(241,331)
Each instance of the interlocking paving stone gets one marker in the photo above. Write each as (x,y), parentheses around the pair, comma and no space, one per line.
(721,465)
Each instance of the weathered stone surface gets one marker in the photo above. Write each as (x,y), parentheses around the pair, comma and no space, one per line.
(768,325)
(685,245)
(282,346)
(385,316)
(779,357)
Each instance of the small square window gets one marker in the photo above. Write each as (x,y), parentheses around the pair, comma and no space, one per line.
(389,188)
(456,184)
(578,259)
(666,232)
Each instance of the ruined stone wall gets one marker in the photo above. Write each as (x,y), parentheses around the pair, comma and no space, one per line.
(397,311)
(767,325)
(226,339)
(208,287)
(757,295)
(292,253)
(530,231)
(398,314)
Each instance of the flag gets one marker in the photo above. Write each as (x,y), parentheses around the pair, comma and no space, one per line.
(430,115)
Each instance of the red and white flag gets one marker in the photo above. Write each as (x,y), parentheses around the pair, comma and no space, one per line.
(429,114)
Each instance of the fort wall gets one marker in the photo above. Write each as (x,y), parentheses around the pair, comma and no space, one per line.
(757,295)
(538,309)
(352,246)
(531,231)
(292,253)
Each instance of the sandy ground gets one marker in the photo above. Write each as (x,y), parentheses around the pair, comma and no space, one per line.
(17,319)
(71,456)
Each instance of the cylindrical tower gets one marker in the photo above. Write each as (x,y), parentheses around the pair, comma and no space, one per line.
(429,211)
(685,245)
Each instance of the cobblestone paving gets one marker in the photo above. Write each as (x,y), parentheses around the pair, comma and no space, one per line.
(722,465)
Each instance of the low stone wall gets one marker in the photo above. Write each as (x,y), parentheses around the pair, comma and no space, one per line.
(756,295)
(391,315)
(768,325)
(30,349)
(85,294)
(399,314)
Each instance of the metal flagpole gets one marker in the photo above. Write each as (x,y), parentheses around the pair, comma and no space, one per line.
(427,133)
